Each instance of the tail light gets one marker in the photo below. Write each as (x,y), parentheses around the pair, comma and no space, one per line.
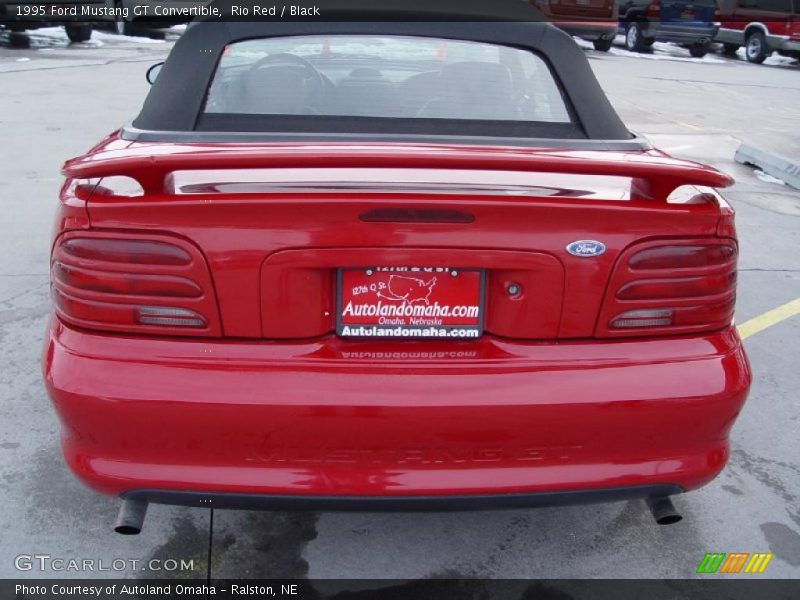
(136,284)
(671,287)
(653,10)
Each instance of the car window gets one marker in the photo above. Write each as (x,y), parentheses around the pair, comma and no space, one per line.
(384,76)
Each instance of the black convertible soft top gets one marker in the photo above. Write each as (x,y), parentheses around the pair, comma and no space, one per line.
(173,110)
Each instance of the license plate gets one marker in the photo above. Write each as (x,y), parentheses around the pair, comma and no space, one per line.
(687,14)
(409,303)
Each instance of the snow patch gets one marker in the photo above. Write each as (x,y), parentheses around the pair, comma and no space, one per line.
(766,178)
(114,37)
(585,44)
(660,51)
(55,38)
(52,32)
(778,60)
(775,60)
(49,37)
(668,51)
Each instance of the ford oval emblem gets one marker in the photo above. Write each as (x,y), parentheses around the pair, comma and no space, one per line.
(586,248)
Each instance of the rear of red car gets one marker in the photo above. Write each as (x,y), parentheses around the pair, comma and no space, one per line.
(761,27)
(593,20)
(330,324)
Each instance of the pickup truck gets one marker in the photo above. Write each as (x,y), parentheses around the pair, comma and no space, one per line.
(761,26)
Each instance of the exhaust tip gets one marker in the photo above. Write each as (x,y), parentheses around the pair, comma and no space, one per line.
(127,530)
(131,517)
(663,511)
(669,519)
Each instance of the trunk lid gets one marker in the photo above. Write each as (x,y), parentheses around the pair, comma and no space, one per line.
(276,222)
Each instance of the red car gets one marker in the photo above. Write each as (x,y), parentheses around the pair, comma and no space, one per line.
(394,266)
(592,20)
(761,26)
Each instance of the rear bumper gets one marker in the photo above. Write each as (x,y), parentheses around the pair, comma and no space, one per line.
(680,34)
(400,503)
(589,30)
(378,420)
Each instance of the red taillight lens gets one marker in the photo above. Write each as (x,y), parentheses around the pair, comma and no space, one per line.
(125,283)
(681,257)
(670,288)
(677,287)
(127,251)
(133,284)
(82,310)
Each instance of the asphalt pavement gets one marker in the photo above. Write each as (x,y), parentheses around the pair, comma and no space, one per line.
(58,100)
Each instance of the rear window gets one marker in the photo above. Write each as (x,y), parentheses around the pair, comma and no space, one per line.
(408,79)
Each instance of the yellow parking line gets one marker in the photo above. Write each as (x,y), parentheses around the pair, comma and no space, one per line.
(769,318)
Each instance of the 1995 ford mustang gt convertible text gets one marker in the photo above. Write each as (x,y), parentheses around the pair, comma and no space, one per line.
(395,266)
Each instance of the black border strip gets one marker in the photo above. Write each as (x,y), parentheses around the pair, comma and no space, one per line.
(444,503)
(735,587)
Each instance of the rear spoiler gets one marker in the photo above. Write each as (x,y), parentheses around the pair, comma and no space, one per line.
(655,175)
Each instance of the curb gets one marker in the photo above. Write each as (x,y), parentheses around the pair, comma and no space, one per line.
(772,164)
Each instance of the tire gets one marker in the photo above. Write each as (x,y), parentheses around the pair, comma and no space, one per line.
(699,50)
(730,49)
(78,32)
(124,27)
(634,40)
(19,39)
(127,28)
(603,45)
(755,48)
